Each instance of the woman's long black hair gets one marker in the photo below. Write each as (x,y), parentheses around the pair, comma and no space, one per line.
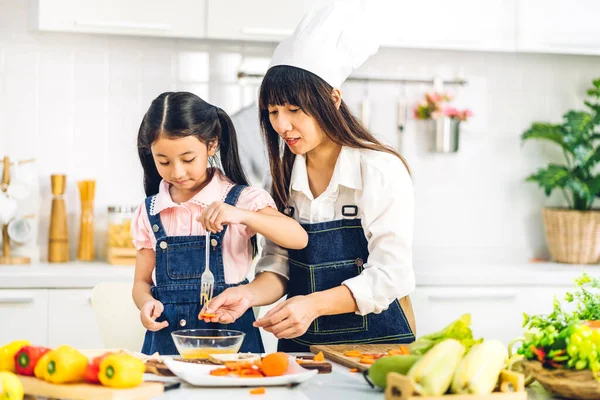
(290,85)
(181,114)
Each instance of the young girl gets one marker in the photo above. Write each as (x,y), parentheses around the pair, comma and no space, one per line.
(351,193)
(178,139)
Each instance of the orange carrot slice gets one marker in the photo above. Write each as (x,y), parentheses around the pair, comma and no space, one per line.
(354,370)
(260,390)
(319,357)
(352,353)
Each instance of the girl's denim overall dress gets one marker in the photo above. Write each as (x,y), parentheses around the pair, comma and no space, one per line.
(179,265)
(336,251)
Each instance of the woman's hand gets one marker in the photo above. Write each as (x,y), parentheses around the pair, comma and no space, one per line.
(148,314)
(228,306)
(289,319)
(218,214)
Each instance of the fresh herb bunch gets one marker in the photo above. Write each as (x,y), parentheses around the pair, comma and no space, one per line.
(548,337)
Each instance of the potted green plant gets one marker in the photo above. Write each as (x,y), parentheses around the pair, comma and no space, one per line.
(573,232)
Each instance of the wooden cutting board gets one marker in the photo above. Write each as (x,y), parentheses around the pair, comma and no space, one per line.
(336,352)
(84,391)
(400,387)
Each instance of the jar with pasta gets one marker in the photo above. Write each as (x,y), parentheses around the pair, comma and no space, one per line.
(120,245)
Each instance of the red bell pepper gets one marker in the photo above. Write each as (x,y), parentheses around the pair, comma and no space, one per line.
(539,352)
(93,369)
(27,358)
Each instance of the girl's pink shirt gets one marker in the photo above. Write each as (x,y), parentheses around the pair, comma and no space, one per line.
(180,220)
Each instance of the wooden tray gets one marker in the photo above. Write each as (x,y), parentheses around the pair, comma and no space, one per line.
(85,391)
(511,387)
(336,352)
(121,256)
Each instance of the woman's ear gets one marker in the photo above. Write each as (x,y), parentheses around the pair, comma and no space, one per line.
(336,95)
(212,148)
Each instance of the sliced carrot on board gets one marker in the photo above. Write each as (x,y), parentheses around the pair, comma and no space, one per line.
(260,390)
(367,361)
(319,357)
(353,353)
(220,372)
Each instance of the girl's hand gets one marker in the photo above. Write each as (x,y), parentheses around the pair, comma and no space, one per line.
(289,319)
(148,314)
(218,214)
(228,306)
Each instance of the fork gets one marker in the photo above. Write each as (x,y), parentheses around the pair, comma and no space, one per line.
(207,280)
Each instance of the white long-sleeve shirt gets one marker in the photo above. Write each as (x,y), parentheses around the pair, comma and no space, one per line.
(380,186)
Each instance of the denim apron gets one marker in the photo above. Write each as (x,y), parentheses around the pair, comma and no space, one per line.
(336,251)
(179,265)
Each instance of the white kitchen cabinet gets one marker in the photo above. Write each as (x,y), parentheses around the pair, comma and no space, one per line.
(559,26)
(72,319)
(24,315)
(440,24)
(257,20)
(496,311)
(175,18)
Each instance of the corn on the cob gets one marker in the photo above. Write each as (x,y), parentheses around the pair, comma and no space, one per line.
(433,373)
(478,372)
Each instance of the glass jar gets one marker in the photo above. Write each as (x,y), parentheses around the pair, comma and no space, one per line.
(119,227)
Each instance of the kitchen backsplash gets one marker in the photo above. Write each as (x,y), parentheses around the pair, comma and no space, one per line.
(74,102)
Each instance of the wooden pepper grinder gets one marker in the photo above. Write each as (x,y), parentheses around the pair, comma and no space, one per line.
(58,240)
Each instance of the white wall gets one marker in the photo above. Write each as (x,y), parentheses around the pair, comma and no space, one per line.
(74,102)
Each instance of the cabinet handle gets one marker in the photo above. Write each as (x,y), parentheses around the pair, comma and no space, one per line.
(473,296)
(266,32)
(16,299)
(124,25)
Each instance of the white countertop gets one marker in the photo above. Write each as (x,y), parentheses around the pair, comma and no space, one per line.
(62,275)
(339,384)
(88,274)
(501,274)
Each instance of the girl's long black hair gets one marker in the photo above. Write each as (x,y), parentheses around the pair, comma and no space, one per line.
(181,114)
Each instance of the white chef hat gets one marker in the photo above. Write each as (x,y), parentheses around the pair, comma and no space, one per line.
(331,42)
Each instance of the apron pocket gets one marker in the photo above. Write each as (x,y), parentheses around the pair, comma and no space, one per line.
(320,277)
(185,260)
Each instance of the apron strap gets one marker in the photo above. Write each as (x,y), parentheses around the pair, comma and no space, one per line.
(155,222)
(232,199)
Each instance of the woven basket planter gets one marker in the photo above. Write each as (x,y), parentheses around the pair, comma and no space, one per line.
(567,383)
(573,236)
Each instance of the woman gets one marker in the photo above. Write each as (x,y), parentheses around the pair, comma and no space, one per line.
(352,194)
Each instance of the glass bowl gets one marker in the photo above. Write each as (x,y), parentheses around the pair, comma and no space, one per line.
(200,343)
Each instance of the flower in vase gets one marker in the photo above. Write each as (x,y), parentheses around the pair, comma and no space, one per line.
(461,115)
(435,105)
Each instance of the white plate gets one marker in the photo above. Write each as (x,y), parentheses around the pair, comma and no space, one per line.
(199,375)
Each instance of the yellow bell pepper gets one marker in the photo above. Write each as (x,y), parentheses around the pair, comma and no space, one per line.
(40,368)
(7,354)
(11,387)
(121,371)
(64,365)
